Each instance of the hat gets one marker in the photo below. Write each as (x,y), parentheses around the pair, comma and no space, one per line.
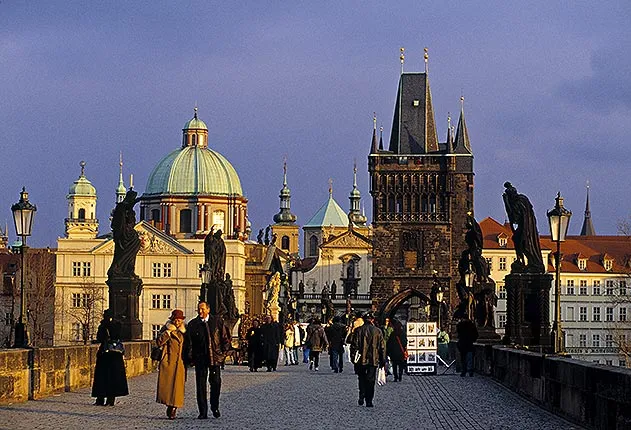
(177,314)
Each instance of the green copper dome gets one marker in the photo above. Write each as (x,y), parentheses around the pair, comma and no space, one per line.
(194,170)
(195,123)
(82,186)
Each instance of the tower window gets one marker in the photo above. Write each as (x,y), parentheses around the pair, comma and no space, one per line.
(219,220)
(155,215)
(185,221)
(284,242)
(82,214)
(313,246)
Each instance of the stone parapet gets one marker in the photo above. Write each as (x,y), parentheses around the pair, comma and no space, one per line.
(37,373)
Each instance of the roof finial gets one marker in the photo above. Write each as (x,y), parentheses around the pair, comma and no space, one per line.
(120,161)
(462,102)
(374,120)
(448,120)
(331,187)
(402,57)
(195,109)
(426,58)
(285,170)
(82,164)
(355,173)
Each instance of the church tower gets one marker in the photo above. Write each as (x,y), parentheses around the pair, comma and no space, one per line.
(354,215)
(285,227)
(422,190)
(81,222)
(120,190)
(588,226)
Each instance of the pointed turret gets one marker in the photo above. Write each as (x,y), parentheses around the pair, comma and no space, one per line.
(450,135)
(374,147)
(462,145)
(588,227)
(285,216)
(381,138)
(354,215)
(120,190)
(285,227)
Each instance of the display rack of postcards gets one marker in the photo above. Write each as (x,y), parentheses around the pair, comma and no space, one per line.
(422,347)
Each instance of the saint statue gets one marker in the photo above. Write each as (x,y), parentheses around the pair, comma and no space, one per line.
(126,239)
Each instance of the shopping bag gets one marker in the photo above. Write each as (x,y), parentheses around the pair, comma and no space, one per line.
(381,376)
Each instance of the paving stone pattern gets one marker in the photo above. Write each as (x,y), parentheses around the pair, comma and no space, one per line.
(295,398)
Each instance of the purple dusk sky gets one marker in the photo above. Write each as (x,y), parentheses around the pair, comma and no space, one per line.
(547,89)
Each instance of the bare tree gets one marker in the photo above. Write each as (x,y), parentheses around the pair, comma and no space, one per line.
(85,308)
(39,282)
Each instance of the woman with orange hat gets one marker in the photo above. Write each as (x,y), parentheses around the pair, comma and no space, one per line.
(171,369)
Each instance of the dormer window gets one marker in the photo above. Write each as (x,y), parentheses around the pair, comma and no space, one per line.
(582,263)
(608,264)
(502,240)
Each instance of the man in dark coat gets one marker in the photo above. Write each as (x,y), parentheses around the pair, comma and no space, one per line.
(467,335)
(336,334)
(110,380)
(368,341)
(255,346)
(271,336)
(206,343)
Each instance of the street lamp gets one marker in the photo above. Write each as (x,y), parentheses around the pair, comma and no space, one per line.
(23,214)
(559,219)
(439,298)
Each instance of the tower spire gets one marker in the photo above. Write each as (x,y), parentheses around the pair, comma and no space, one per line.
(462,144)
(284,216)
(355,216)
(120,189)
(381,138)
(402,57)
(426,58)
(330,188)
(374,147)
(588,226)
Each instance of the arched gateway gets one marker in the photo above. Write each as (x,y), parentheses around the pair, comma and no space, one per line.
(389,308)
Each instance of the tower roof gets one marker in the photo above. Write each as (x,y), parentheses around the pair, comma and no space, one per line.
(588,226)
(82,186)
(329,214)
(195,123)
(462,145)
(413,126)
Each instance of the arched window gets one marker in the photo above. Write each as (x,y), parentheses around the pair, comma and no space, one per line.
(81,214)
(185,221)
(219,220)
(155,215)
(313,246)
(350,269)
(284,242)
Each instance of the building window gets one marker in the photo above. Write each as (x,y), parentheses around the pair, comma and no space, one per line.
(166,301)
(609,286)
(155,215)
(167,270)
(502,294)
(313,246)
(570,287)
(489,261)
(622,363)
(582,264)
(608,265)
(502,242)
(76,268)
(609,362)
(582,340)
(570,313)
(609,314)
(80,300)
(157,270)
(219,220)
(596,340)
(186,219)
(75,331)
(155,330)
(596,361)
(87,268)
(502,264)
(596,288)
(623,314)
(582,313)
(81,268)
(155,301)
(284,242)
(623,288)
(502,320)
(608,340)
(582,288)
(596,314)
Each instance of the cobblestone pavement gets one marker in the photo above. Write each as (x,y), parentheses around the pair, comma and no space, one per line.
(295,398)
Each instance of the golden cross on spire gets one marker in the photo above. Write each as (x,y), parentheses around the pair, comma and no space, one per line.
(374,120)
(426,58)
(402,57)
(82,164)
(195,109)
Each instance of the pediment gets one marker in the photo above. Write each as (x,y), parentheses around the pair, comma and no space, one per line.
(349,240)
(152,241)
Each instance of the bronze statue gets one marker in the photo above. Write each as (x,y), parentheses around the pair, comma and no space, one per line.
(259,237)
(525,235)
(126,239)
(474,239)
(215,255)
(227,302)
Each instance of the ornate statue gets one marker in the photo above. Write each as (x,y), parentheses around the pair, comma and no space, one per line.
(525,235)
(273,290)
(215,255)
(259,237)
(126,239)
(474,239)
(325,291)
(267,230)
(333,290)
(227,301)
(301,289)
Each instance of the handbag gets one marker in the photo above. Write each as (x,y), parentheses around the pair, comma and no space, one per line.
(356,357)
(381,376)
(117,347)
(405,351)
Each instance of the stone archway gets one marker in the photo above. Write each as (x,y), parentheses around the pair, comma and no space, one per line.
(389,308)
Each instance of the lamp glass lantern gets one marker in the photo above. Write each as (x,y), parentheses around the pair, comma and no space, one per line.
(23,215)
(559,220)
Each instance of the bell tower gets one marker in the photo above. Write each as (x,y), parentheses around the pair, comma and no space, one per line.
(285,227)
(81,222)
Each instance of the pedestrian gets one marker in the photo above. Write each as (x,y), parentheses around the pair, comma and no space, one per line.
(396,348)
(297,339)
(336,335)
(289,344)
(255,346)
(443,345)
(367,340)
(467,335)
(272,336)
(316,338)
(207,341)
(171,369)
(110,379)
(387,331)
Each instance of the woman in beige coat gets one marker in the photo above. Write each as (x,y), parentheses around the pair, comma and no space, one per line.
(171,370)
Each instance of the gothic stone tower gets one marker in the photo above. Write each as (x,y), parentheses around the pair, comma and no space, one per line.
(422,190)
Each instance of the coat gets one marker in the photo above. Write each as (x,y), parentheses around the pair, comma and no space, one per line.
(396,346)
(289,337)
(467,335)
(368,340)
(110,379)
(171,369)
(336,335)
(272,338)
(202,351)
(317,339)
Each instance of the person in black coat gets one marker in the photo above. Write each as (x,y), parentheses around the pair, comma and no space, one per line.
(336,335)
(396,349)
(467,335)
(255,346)
(110,379)
(271,333)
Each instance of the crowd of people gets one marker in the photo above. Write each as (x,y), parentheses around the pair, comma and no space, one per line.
(204,342)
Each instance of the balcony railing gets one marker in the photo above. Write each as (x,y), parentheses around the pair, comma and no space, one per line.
(437,217)
(592,350)
(318,296)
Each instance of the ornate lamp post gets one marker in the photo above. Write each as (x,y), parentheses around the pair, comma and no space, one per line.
(559,219)
(439,298)
(23,214)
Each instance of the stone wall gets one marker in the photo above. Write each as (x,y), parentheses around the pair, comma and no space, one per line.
(36,373)
(595,396)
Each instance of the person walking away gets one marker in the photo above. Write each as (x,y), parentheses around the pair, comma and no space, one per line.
(110,379)
(206,343)
(297,339)
(387,331)
(171,369)
(368,341)
(467,335)
(318,343)
(396,349)
(289,345)
(336,335)
(443,345)
(271,335)
(255,346)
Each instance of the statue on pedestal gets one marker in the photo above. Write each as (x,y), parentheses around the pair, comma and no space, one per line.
(217,289)
(126,239)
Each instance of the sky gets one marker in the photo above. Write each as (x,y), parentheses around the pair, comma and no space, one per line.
(547,94)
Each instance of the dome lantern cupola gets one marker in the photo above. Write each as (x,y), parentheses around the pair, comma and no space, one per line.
(81,221)
(354,215)
(195,132)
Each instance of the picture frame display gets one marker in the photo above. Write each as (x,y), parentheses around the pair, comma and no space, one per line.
(421,347)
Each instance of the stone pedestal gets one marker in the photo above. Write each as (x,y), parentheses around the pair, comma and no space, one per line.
(485,299)
(273,311)
(528,309)
(124,297)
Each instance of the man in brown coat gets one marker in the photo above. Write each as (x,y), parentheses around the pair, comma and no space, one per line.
(367,341)
(171,370)
(207,342)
